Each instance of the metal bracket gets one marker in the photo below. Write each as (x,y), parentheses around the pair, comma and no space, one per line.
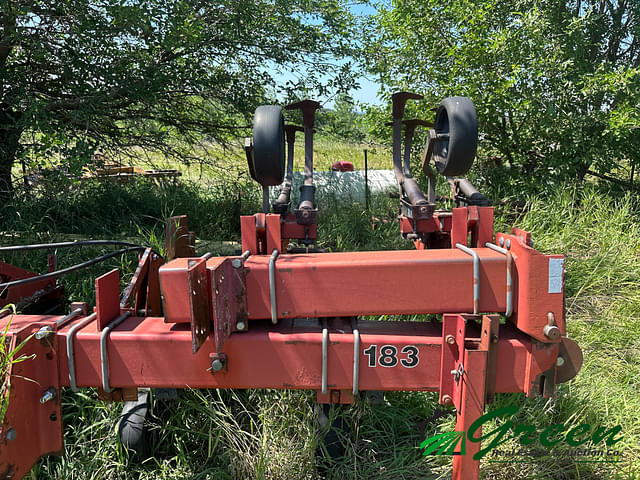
(229,300)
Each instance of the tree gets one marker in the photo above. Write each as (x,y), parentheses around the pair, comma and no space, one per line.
(556,84)
(114,74)
(343,120)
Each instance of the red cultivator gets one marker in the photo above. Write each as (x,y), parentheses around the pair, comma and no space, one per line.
(273,318)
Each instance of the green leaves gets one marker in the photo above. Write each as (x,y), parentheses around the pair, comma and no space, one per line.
(550,79)
(116,73)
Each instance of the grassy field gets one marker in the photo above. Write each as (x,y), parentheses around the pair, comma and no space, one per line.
(274,434)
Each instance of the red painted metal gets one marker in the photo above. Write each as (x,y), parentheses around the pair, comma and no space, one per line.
(532,301)
(287,355)
(21,295)
(468,409)
(261,233)
(30,429)
(107,298)
(342,166)
(207,304)
(374,283)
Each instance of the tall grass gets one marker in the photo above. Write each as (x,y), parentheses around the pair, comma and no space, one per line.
(274,434)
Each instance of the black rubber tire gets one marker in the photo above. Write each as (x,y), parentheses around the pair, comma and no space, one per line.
(457,117)
(131,431)
(268,146)
(332,447)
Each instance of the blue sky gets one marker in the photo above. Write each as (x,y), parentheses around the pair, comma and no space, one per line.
(368,91)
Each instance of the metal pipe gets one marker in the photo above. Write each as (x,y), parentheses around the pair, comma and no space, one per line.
(408,140)
(77,243)
(265,199)
(308,155)
(64,320)
(70,359)
(366,181)
(64,271)
(325,354)
(104,354)
(476,275)
(356,357)
(396,148)
(272,286)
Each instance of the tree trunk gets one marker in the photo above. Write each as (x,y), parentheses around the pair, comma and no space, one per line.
(10,132)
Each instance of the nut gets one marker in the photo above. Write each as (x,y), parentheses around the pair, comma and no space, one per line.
(44,332)
(236,263)
(241,325)
(551,332)
(217,364)
(447,400)
(450,339)
(49,394)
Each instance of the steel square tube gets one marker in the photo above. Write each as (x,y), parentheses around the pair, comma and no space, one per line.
(376,283)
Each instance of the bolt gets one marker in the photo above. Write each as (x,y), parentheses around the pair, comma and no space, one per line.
(450,339)
(447,400)
(240,325)
(11,434)
(48,395)
(217,364)
(560,361)
(551,332)
(236,263)
(508,243)
(44,332)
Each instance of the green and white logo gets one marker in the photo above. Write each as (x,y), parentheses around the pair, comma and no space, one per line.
(454,443)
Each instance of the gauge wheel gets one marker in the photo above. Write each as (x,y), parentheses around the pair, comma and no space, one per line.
(456,128)
(268,146)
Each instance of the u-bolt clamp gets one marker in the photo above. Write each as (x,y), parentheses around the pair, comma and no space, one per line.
(70,358)
(507,254)
(476,275)
(325,354)
(272,286)
(104,354)
(356,355)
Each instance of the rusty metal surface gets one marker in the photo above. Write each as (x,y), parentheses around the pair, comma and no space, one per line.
(24,295)
(571,362)
(32,427)
(198,289)
(179,241)
(229,301)
(489,342)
